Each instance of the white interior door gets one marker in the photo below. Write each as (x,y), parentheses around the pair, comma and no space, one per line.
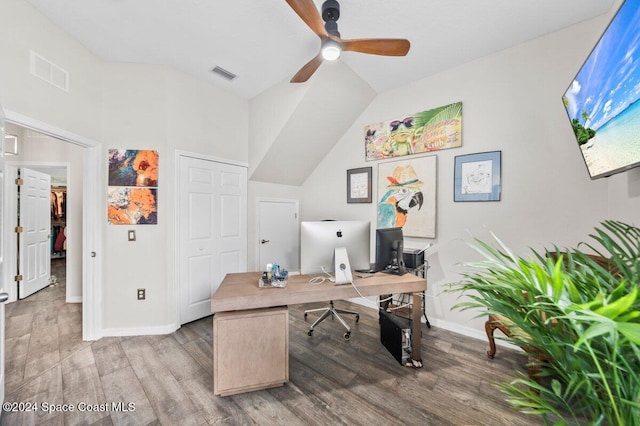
(34,243)
(212,230)
(278,234)
(3,285)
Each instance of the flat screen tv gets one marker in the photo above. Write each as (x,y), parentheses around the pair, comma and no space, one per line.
(602,100)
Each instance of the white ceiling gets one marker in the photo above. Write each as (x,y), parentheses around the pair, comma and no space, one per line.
(264,42)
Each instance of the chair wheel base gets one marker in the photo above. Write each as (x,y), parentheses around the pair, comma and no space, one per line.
(331,312)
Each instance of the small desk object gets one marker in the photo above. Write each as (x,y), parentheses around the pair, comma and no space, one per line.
(250,325)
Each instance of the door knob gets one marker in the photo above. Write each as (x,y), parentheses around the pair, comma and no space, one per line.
(4,297)
(263,241)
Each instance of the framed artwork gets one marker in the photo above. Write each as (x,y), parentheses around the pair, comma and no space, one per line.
(359,185)
(477,177)
(133,167)
(418,133)
(407,196)
(132,206)
(132,194)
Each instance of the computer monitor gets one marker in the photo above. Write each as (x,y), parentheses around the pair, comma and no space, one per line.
(319,239)
(389,251)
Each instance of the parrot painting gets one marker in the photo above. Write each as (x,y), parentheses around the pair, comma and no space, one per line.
(403,193)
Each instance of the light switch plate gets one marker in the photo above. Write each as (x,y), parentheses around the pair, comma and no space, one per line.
(132,235)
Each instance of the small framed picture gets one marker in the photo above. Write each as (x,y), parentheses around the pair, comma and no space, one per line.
(477,177)
(359,185)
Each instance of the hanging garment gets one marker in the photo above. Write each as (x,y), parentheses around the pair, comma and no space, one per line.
(60,239)
(55,214)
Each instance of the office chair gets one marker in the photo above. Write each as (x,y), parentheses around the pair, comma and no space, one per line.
(333,312)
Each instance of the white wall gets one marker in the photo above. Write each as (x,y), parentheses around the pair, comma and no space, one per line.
(150,107)
(512,102)
(123,106)
(22,29)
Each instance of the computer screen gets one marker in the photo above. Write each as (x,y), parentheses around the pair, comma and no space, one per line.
(319,239)
(389,250)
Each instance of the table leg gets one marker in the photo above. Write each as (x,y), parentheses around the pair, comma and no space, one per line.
(416,331)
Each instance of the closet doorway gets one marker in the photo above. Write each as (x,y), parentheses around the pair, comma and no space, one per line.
(211,229)
(88,268)
(62,163)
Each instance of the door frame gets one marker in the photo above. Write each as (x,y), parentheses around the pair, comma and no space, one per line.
(259,200)
(93,208)
(179,212)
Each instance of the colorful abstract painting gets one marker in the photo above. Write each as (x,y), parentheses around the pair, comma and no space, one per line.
(407,196)
(432,130)
(132,167)
(132,206)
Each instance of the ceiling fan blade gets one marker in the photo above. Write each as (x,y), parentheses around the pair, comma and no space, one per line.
(377,46)
(307,70)
(307,11)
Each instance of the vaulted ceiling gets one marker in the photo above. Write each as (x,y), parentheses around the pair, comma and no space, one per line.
(264,42)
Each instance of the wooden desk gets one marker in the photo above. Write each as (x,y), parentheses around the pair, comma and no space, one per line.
(240,292)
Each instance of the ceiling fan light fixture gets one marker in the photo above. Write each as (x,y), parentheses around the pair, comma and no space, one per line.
(331,50)
(331,43)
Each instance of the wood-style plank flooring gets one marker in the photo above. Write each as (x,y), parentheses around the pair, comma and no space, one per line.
(168,379)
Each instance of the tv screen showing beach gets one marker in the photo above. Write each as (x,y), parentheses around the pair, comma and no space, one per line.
(603,99)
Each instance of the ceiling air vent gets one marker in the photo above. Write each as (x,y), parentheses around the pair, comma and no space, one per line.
(224,73)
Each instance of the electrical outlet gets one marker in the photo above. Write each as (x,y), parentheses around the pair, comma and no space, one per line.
(142,294)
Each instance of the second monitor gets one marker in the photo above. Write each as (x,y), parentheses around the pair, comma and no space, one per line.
(389,251)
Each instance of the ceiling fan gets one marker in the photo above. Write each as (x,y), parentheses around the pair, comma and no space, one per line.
(331,43)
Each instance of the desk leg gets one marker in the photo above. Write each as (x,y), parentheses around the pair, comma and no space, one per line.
(416,331)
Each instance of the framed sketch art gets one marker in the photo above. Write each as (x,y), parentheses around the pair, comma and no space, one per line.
(359,185)
(477,177)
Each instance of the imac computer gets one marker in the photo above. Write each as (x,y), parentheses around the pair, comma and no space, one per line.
(389,251)
(320,239)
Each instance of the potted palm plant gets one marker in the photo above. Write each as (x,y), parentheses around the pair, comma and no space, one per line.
(581,315)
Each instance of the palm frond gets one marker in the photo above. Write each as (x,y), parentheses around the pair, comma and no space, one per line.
(440,114)
(579,311)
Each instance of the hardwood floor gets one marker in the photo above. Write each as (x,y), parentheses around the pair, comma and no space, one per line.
(168,379)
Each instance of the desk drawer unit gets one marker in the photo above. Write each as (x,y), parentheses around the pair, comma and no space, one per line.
(250,350)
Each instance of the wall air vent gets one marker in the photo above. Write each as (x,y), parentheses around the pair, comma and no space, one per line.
(49,72)
(224,73)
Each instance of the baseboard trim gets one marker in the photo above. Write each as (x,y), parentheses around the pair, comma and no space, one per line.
(76,299)
(139,331)
(471,332)
(365,302)
(446,325)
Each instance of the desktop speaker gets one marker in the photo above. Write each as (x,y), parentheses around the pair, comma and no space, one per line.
(395,335)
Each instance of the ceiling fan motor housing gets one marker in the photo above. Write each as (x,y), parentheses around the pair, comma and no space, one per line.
(330,10)
(330,15)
